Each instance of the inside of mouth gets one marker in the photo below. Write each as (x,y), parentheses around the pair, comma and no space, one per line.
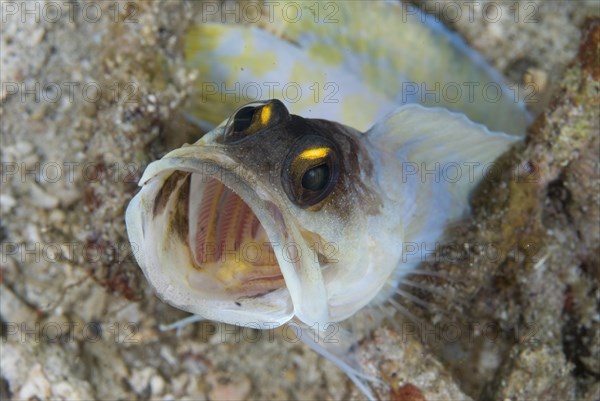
(229,242)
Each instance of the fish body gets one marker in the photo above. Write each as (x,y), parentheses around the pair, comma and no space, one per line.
(303,210)
(233,229)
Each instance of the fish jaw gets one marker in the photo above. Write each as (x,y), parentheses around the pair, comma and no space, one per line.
(228,289)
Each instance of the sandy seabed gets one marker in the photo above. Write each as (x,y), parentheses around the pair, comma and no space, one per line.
(94,93)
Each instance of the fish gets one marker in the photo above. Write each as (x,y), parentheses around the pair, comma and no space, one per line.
(301,211)
(272,217)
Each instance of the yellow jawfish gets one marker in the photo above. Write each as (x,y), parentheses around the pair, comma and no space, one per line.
(298,209)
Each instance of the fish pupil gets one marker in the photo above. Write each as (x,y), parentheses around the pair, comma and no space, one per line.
(243,119)
(316,178)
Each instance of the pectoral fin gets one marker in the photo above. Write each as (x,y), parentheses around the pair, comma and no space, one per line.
(432,159)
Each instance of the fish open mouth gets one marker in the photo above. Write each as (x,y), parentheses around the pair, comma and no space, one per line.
(228,241)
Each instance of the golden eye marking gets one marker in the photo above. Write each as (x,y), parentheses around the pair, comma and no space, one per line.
(265,114)
(315,153)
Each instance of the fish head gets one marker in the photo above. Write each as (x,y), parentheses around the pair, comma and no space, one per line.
(267,217)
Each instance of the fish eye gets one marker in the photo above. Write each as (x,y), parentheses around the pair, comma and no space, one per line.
(253,118)
(316,178)
(310,171)
(243,118)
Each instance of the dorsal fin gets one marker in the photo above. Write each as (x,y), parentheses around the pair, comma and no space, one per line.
(353,62)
